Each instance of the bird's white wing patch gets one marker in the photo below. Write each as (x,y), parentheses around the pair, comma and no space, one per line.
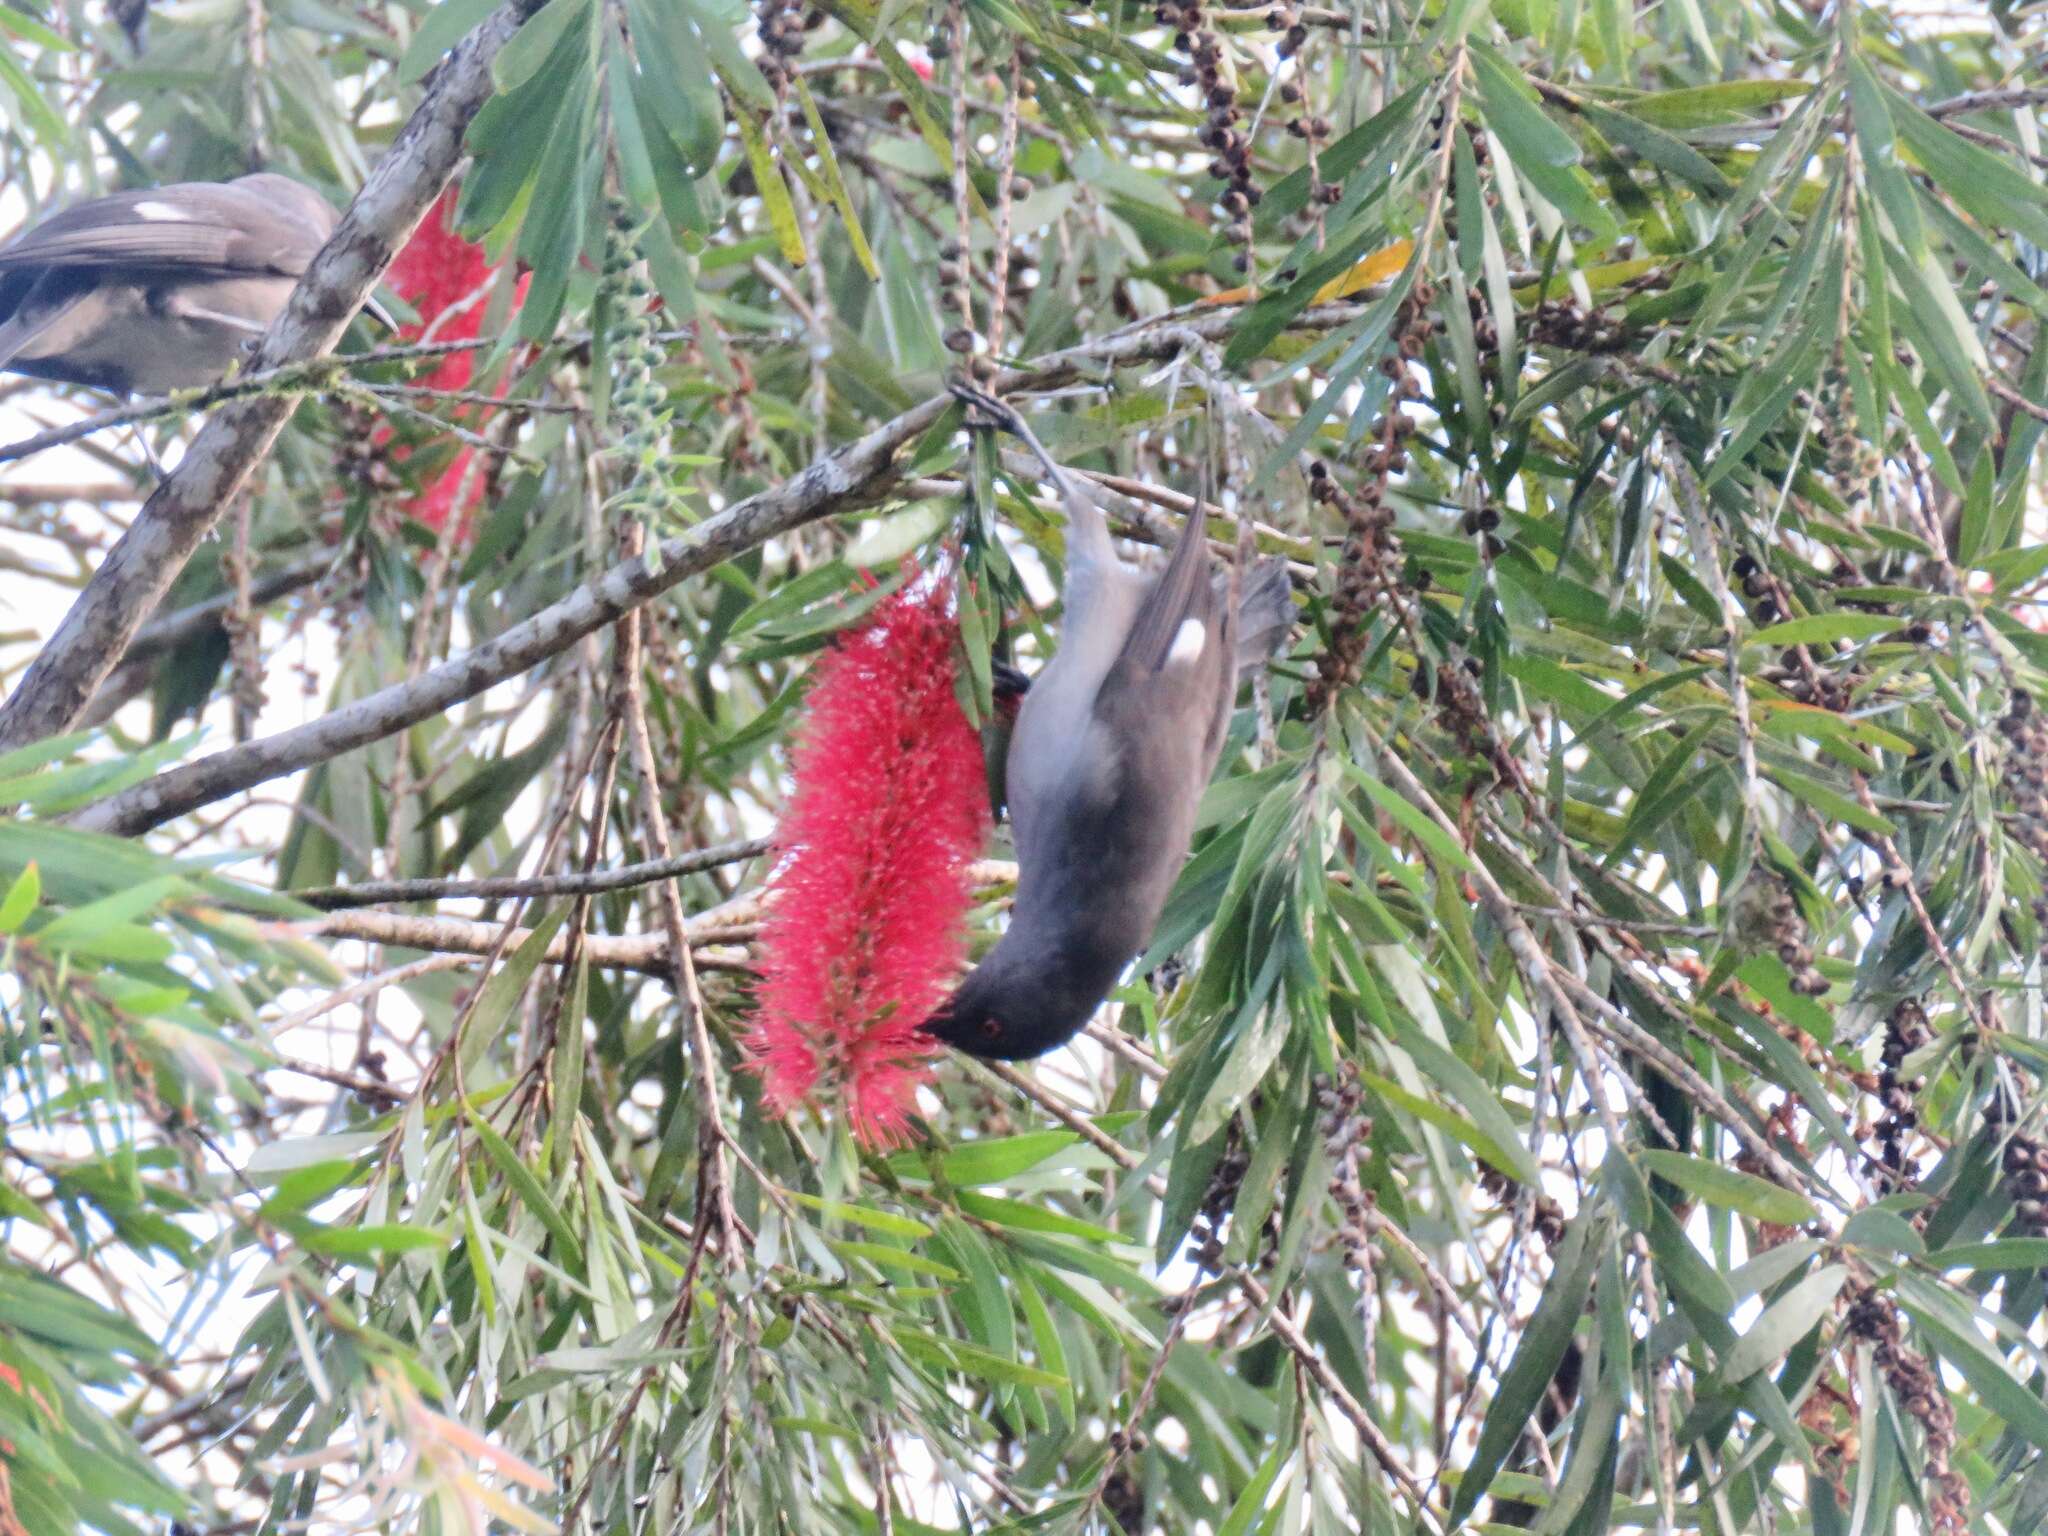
(161,213)
(1188,643)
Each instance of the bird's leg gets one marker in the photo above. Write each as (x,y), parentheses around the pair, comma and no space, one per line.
(139,431)
(1088,527)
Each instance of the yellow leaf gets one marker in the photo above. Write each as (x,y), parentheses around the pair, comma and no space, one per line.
(1377,267)
(1380,265)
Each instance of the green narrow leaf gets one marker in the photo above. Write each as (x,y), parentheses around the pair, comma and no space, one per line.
(1784,1323)
(506,986)
(1720,1185)
(21,898)
(774,190)
(527,1186)
(529,48)
(1542,1345)
(835,184)
(440,29)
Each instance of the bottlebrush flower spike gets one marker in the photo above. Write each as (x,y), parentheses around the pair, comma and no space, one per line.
(444,277)
(865,929)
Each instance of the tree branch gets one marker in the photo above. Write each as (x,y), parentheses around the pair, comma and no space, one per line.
(392,892)
(94,636)
(646,953)
(859,473)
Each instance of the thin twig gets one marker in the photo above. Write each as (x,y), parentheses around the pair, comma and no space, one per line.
(377,893)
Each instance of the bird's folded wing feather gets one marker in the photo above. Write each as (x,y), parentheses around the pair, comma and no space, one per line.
(1160,663)
(139,229)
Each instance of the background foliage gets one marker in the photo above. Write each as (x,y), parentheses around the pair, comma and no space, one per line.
(1590,1072)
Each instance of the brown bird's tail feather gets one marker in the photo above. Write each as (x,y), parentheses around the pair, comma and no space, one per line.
(1265,614)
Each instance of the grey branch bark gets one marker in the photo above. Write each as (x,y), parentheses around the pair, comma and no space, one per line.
(159,635)
(174,629)
(59,685)
(861,469)
(858,473)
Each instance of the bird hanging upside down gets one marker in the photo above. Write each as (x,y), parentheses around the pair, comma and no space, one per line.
(1112,749)
(158,290)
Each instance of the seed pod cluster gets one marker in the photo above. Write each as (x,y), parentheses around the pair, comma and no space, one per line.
(1758,587)
(360,461)
(1368,568)
(782,25)
(1871,1316)
(1568,325)
(1485,334)
(1347,1134)
(1218,1200)
(2024,1172)
(2025,780)
(1122,1494)
(1782,928)
(1831,690)
(1905,1031)
(1482,158)
(1460,711)
(638,400)
(1221,134)
(1852,463)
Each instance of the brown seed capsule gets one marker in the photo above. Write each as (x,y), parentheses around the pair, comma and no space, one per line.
(959,339)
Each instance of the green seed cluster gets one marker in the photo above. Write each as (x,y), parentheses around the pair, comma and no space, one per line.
(639,403)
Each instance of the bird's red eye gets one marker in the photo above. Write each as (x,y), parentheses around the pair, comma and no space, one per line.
(992,1028)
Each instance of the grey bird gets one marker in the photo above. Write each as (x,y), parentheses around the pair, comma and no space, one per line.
(157,290)
(1112,749)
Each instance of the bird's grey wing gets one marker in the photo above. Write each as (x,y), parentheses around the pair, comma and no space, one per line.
(191,225)
(1169,669)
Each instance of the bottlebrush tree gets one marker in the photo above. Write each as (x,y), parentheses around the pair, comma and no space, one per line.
(458,1064)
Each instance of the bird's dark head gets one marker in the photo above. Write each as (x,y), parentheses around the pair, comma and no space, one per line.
(971,1020)
(1001,1017)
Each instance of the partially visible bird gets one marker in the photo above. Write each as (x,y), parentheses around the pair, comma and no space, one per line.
(158,290)
(1112,749)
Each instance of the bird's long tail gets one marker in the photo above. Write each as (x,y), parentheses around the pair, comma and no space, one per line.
(1265,613)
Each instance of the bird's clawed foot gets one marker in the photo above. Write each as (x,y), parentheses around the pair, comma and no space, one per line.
(985,409)
(1010,684)
(990,410)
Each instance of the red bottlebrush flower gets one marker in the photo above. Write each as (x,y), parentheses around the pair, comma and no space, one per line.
(890,803)
(446,279)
